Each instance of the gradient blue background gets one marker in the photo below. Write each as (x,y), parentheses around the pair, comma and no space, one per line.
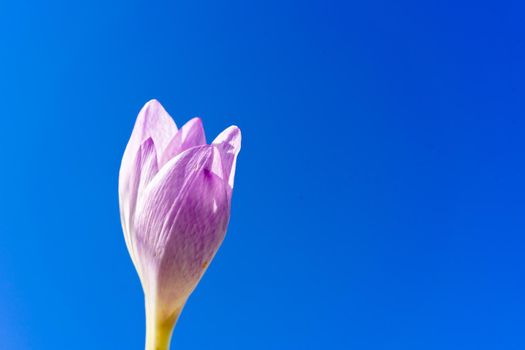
(379,200)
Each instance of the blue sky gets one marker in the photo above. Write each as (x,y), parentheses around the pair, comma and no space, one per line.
(379,193)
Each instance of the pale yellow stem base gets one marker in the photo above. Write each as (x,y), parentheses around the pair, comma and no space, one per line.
(159,329)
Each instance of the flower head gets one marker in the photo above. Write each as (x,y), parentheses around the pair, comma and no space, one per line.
(174,193)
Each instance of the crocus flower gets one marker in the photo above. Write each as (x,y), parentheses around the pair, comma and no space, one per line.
(175,193)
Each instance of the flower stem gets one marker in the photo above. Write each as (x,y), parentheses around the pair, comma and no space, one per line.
(159,329)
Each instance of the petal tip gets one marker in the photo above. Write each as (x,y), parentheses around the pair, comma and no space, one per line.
(195,120)
(231,135)
(229,144)
(153,102)
(152,107)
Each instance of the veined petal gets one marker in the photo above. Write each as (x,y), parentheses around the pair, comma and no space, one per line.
(143,169)
(181,221)
(229,144)
(153,122)
(190,135)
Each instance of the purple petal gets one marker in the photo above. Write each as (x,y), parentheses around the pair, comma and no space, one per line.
(142,170)
(190,135)
(181,221)
(229,144)
(154,123)
(152,131)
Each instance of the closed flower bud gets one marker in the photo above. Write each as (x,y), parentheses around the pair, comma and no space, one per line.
(174,192)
